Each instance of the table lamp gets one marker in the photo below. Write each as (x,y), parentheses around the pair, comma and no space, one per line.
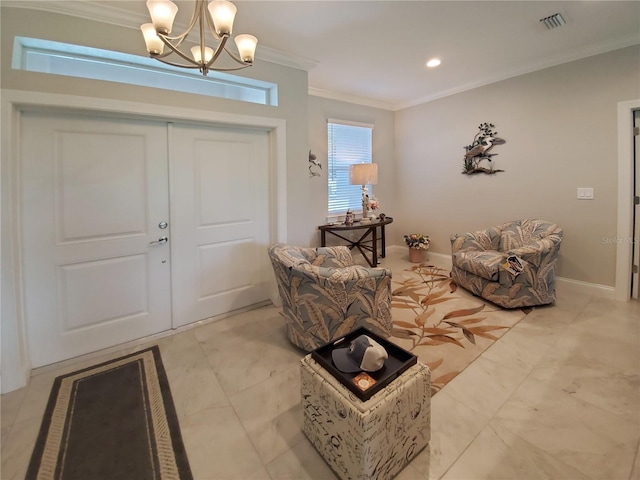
(364,174)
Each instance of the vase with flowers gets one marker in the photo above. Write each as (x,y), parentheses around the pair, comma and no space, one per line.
(373,205)
(418,243)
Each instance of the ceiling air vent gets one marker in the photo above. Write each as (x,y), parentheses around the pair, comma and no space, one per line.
(553,21)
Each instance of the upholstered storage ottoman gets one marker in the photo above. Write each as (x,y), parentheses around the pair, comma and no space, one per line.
(366,440)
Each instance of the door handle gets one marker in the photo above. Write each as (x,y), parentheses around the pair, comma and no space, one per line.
(161,241)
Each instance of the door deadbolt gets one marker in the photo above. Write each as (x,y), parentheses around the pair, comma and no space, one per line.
(163,225)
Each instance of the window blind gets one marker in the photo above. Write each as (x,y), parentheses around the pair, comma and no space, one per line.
(348,143)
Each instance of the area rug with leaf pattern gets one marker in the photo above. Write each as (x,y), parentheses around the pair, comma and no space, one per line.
(446,327)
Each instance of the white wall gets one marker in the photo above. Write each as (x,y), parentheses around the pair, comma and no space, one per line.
(560,127)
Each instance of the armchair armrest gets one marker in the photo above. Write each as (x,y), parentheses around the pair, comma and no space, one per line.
(483,263)
(358,271)
(536,252)
(346,274)
(353,272)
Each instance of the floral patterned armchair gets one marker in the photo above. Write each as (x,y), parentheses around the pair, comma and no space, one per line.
(511,265)
(325,296)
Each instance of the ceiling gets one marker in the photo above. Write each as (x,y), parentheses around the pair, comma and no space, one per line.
(374,52)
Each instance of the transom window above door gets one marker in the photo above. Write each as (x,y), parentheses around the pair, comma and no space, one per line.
(45,56)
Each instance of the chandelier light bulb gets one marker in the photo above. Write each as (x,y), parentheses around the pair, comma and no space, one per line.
(208,53)
(246,47)
(434,62)
(162,12)
(223,14)
(155,46)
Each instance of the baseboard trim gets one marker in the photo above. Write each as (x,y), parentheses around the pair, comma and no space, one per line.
(585,288)
(442,258)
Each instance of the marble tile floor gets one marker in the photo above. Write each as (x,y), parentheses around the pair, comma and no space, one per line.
(557,397)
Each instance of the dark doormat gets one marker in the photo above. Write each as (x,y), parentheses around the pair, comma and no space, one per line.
(115,420)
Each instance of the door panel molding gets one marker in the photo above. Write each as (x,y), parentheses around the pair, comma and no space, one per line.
(79,282)
(80,212)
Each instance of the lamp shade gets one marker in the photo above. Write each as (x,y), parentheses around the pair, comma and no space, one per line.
(363,174)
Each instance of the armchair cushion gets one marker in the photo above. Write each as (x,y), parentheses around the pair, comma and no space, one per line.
(488,239)
(484,263)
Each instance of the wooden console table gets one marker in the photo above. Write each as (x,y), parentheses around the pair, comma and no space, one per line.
(368,241)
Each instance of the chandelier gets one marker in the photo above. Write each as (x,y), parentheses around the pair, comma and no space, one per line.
(218,16)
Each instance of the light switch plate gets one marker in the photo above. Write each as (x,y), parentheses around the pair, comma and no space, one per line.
(585,193)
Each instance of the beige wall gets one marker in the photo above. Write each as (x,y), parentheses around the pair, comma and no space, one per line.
(560,127)
(320,110)
(559,124)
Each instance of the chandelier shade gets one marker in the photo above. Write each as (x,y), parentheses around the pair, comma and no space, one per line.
(217,16)
(223,14)
(155,46)
(162,15)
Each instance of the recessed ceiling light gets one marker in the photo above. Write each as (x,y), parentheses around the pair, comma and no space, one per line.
(434,62)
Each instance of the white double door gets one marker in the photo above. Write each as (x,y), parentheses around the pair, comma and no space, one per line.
(133,227)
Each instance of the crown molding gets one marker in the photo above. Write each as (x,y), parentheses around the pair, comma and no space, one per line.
(272,55)
(114,15)
(88,10)
(548,63)
(120,17)
(578,54)
(344,97)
